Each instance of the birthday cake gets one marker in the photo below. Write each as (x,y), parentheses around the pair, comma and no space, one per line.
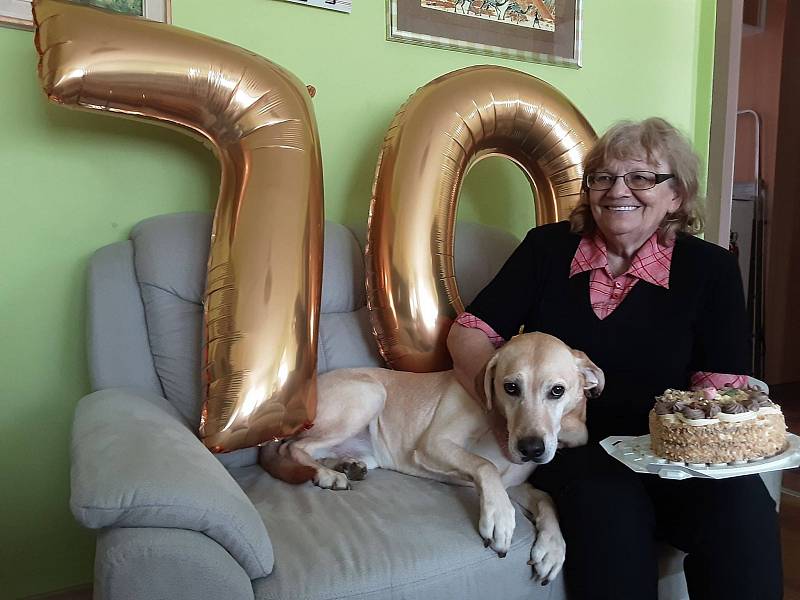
(727,426)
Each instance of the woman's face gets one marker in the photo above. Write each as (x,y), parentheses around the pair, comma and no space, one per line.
(632,215)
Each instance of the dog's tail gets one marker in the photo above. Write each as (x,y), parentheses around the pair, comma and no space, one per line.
(283,467)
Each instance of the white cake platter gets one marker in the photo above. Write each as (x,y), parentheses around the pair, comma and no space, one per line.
(636,453)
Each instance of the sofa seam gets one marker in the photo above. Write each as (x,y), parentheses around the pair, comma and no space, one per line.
(170,292)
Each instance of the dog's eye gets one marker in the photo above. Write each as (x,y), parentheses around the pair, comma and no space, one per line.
(511,388)
(557,391)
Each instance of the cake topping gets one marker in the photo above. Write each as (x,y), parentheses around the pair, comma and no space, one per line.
(664,407)
(703,404)
(733,408)
(752,404)
(696,409)
(690,412)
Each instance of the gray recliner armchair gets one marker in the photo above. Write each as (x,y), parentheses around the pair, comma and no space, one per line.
(175,521)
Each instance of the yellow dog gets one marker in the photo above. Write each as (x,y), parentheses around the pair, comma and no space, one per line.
(426,424)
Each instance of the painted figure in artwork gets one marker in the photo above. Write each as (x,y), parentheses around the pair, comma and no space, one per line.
(532,14)
(515,12)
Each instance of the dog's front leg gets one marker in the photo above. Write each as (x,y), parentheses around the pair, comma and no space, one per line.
(497,518)
(549,549)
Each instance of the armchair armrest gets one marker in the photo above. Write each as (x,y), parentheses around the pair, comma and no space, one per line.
(136,464)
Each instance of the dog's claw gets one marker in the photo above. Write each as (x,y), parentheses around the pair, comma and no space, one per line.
(534,575)
(486,542)
(501,554)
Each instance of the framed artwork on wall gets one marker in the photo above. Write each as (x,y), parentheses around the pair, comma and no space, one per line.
(17,13)
(543,31)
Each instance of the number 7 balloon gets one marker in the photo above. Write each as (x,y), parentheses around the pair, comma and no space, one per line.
(262,297)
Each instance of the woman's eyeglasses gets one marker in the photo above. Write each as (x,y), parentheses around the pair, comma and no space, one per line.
(635,180)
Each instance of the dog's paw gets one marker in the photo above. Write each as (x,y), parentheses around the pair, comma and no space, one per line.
(497,523)
(547,554)
(354,470)
(331,480)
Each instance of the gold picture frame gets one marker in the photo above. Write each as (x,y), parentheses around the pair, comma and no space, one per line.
(542,31)
(17,13)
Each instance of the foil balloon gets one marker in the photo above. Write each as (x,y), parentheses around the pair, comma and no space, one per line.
(261,304)
(445,128)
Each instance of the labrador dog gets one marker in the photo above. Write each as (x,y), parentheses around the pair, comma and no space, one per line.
(427,424)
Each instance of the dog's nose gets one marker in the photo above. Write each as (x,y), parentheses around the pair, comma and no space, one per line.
(531,448)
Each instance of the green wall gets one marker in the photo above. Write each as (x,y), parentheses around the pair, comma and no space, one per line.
(71,182)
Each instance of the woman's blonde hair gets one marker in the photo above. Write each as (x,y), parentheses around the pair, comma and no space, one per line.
(659,141)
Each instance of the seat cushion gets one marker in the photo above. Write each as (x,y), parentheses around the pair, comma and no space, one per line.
(391,536)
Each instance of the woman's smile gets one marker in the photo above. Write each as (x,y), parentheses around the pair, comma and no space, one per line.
(623,208)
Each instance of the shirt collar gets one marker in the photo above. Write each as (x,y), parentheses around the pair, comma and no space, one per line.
(651,263)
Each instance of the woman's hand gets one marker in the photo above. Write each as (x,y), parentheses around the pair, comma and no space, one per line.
(470,350)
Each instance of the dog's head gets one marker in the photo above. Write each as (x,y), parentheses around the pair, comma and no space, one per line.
(540,385)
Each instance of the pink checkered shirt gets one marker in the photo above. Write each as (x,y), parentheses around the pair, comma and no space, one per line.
(606,292)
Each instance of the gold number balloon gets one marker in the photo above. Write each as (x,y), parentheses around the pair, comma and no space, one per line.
(261,305)
(442,130)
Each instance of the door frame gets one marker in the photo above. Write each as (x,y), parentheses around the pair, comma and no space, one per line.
(722,134)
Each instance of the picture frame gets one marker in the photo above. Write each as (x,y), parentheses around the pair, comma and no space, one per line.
(542,31)
(17,13)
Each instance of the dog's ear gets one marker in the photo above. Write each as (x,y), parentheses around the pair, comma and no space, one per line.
(488,381)
(593,379)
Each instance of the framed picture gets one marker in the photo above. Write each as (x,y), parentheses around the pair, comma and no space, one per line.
(17,13)
(544,31)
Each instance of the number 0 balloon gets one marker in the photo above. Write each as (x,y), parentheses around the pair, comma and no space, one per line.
(261,305)
(433,141)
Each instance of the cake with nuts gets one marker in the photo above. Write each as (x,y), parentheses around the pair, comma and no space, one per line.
(716,427)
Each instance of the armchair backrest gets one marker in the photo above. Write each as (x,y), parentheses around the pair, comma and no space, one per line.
(145,312)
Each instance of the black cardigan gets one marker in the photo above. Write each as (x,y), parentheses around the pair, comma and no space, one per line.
(655,339)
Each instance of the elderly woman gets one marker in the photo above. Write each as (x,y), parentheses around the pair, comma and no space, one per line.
(655,307)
